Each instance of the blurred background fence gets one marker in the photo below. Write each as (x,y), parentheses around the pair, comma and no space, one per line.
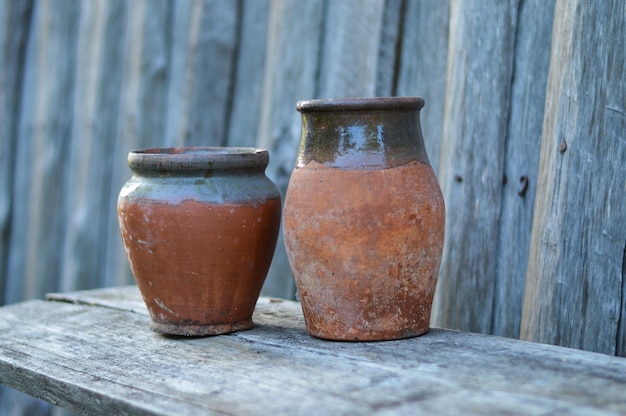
(525,126)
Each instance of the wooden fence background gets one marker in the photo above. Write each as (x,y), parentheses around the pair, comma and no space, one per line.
(516,90)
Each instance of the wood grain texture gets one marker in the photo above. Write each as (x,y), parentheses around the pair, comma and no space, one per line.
(295,30)
(15,23)
(422,66)
(247,92)
(575,290)
(480,68)
(348,64)
(39,206)
(389,47)
(521,159)
(98,77)
(14,29)
(141,109)
(97,357)
(203,57)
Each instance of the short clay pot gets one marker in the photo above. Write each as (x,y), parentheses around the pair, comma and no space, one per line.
(364,220)
(199,225)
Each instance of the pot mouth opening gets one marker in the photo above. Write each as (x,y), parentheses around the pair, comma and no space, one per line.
(200,151)
(197,158)
(361,104)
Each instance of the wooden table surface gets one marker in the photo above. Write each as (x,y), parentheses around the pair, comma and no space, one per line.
(93,353)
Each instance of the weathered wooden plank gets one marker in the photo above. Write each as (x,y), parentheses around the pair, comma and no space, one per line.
(99,69)
(125,299)
(203,56)
(295,30)
(521,160)
(15,21)
(141,110)
(245,114)
(350,45)
(480,67)
(39,207)
(42,129)
(422,66)
(575,291)
(14,27)
(390,40)
(101,360)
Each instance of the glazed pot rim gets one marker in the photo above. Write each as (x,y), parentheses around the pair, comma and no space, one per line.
(202,151)
(192,158)
(361,104)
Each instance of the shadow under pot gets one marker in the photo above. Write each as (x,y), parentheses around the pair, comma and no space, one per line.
(364,219)
(199,226)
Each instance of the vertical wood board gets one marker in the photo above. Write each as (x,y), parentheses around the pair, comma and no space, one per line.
(291,70)
(95,112)
(245,114)
(42,152)
(204,48)
(521,162)
(141,110)
(574,289)
(480,66)
(422,67)
(14,25)
(392,26)
(349,58)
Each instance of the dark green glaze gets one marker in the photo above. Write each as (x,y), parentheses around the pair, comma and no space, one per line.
(361,133)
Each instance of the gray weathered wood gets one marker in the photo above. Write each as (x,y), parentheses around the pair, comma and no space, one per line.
(99,357)
(295,31)
(248,83)
(41,153)
(15,18)
(422,68)
(480,67)
(521,159)
(39,204)
(14,26)
(389,48)
(349,48)
(203,56)
(141,110)
(99,68)
(575,282)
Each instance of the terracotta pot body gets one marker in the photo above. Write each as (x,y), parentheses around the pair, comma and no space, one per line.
(364,220)
(199,226)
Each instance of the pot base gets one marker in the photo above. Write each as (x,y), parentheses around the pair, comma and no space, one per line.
(364,336)
(201,330)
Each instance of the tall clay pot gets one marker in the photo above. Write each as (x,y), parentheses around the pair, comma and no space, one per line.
(199,226)
(364,220)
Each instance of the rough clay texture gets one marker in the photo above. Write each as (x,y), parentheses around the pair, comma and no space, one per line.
(200,267)
(365,248)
